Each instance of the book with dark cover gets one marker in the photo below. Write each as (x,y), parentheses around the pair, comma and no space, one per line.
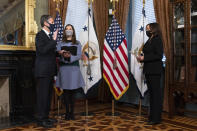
(71,49)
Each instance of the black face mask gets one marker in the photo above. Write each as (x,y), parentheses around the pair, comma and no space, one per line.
(51,27)
(148,33)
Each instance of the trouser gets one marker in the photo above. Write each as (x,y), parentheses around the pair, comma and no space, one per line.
(69,99)
(44,95)
(155,91)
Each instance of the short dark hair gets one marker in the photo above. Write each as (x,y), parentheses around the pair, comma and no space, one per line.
(9,37)
(43,19)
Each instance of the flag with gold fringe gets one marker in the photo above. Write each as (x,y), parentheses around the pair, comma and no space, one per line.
(90,64)
(115,60)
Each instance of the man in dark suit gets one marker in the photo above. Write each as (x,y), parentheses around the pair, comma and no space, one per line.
(45,69)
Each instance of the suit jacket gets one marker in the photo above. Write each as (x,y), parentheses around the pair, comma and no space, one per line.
(153,54)
(45,63)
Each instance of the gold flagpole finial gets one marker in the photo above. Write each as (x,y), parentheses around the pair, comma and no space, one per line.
(57,4)
(113,0)
(89,2)
(144,1)
(114,4)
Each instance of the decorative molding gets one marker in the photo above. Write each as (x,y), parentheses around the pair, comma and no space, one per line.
(31,27)
(13,47)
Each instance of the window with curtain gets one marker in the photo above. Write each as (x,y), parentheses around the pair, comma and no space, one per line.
(137,6)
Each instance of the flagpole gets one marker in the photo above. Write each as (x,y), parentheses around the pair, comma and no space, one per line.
(58,100)
(114,64)
(113,12)
(112,107)
(113,113)
(140,100)
(58,113)
(88,67)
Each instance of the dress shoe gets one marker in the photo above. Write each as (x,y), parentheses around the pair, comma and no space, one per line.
(153,123)
(52,120)
(45,124)
(147,120)
(67,116)
(72,116)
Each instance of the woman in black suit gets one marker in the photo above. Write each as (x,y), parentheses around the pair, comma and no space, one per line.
(152,59)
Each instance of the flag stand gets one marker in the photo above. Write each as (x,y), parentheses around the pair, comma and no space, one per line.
(112,113)
(86,113)
(141,119)
(139,115)
(58,110)
(86,107)
(140,107)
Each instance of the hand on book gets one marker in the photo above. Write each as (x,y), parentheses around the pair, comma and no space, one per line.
(66,54)
(71,49)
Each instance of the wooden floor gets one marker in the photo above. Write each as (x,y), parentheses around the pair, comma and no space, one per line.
(127,120)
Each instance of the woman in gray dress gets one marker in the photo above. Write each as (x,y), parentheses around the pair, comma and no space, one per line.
(69,75)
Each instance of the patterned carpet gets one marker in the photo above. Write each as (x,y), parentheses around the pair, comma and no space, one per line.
(127,120)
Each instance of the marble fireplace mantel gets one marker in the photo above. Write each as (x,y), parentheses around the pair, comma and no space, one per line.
(17,67)
(4,97)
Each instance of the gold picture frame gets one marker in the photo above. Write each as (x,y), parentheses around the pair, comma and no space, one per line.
(31,29)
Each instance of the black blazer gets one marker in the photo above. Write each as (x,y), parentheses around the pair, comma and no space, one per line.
(45,63)
(153,54)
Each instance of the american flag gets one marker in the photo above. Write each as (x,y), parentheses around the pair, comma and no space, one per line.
(59,26)
(115,60)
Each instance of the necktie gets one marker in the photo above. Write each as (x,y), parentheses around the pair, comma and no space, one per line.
(51,36)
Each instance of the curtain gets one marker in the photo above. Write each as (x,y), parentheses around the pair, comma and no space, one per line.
(122,10)
(63,9)
(100,10)
(162,16)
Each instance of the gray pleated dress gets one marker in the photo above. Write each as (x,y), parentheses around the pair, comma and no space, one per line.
(69,75)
